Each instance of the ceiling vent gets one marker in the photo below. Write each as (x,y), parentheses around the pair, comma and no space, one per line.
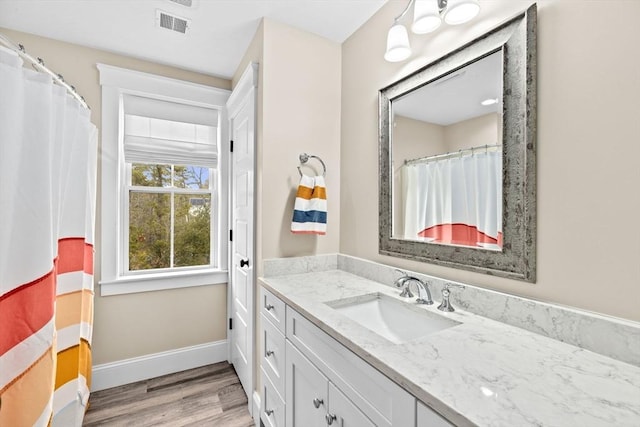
(187,3)
(171,22)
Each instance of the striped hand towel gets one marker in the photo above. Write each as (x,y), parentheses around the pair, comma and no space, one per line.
(310,211)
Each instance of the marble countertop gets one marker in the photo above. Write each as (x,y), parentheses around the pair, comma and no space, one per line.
(481,372)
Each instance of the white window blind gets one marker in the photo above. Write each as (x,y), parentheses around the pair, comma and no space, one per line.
(163,132)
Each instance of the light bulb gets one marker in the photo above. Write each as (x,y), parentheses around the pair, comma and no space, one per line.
(461,11)
(398,48)
(426,16)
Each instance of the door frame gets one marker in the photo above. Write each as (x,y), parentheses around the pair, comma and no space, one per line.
(246,86)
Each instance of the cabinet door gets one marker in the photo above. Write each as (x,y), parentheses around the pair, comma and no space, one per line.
(306,391)
(343,413)
(427,417)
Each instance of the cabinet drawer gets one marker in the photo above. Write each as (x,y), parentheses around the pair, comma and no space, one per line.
(272,411)
(272,353)
(427,417)
(384,402)
(273,308)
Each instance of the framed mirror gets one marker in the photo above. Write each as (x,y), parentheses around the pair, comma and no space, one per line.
(457,143)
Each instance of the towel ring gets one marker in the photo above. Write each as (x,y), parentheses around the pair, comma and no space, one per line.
(304,158)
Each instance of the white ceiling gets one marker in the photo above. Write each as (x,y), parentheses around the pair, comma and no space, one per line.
(219,31)
(457,96)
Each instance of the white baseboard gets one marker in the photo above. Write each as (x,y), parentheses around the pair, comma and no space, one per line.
(154,365)
(256,408)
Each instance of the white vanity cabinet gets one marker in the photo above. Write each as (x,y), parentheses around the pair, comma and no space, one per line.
(382,401)
(316,401)
(309,379)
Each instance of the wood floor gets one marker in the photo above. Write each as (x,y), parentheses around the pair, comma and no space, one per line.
(207,396)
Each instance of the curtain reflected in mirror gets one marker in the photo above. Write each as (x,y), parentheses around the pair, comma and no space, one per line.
(447,158)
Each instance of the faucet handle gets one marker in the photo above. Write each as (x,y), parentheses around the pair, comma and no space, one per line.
(446,292)
(400,280)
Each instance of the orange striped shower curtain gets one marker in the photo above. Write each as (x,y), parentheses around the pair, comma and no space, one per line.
(48,150)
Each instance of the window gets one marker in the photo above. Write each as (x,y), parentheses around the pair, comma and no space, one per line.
(163,183)
(169,216)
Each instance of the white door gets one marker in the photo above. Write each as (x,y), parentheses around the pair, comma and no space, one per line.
(241,110)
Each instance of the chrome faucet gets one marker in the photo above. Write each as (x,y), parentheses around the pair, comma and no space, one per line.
(424,294)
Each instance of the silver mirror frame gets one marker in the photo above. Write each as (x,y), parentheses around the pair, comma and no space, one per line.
(516,39)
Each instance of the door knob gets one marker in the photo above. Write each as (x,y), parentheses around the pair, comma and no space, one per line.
(244,263)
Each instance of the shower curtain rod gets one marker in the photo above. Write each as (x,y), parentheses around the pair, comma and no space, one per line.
(38,64)
(453,154)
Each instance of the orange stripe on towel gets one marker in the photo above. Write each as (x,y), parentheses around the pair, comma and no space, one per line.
(75,255)
(309,193)
(25,310)
(26,398)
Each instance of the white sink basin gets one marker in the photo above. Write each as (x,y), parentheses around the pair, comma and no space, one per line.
(394,320)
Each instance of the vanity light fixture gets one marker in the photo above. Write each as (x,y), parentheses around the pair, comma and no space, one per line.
(427,17)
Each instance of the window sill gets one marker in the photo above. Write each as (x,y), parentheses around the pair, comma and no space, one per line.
(162,281)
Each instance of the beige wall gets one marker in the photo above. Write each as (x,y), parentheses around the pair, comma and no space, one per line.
(136,324)
(475,132)
(414,138)
(588,174)
(301,115)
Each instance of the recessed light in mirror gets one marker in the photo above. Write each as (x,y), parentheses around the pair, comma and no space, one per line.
(489,101)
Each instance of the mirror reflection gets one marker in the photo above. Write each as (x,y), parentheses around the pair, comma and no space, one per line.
(446,148)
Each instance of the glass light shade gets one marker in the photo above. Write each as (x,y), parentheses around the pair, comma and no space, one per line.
(461,11)
(426,16)
(397,44)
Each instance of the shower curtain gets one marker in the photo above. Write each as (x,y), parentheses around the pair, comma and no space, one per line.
(455,201)
(48,150)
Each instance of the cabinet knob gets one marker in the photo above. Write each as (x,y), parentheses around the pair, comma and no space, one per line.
(317,402)
(269,307)
(330,418)
(268,412)
(269,353)
(244,263)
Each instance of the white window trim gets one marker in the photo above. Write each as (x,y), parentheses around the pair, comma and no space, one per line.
(115,82)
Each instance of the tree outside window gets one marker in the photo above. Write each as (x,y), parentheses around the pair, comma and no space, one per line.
(170,216)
